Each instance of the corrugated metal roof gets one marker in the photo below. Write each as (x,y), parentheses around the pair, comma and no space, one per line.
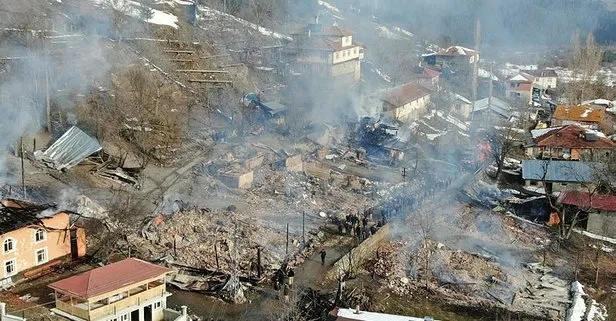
(69,150)
(558,171)
(588,200)
(496,105)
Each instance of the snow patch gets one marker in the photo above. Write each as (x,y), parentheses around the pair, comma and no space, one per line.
(405,32)
(212,13)
(578,307)
(132,9)
(328,6)
(382,75)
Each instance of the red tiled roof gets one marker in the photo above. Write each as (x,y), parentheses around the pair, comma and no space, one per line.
(323,44)
(406,93)
(522,88)
(571,136)
(325,30)
(109,278)
(540,72)
(334,31)
(579,113)
(429,73)
(588,200)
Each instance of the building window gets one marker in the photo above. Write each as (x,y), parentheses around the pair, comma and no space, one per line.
(9,245)
(10,267)
(41,256)
(124,317)
(40,235)
(157,305)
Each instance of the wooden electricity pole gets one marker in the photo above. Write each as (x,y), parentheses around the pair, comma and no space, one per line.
(23,179)
(287,248)
(476,64)
(47,98)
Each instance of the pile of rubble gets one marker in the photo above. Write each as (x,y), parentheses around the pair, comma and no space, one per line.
(207,240)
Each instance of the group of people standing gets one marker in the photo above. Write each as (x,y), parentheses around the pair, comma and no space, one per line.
(283,279)
(358,226)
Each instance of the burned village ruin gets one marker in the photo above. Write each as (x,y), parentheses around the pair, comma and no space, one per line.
(173,160)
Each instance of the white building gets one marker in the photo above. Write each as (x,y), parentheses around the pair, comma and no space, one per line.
(406,102)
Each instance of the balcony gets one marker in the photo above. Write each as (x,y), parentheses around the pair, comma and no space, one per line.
(95,310)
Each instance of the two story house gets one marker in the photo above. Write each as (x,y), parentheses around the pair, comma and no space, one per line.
(406,102)
(546,78)
(580,115)
(35,237)
(520,87)
(128,290)
(327,52)
(457,58)
(571,142)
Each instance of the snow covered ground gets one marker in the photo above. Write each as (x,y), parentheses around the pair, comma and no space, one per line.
(131,8)
(328,6)
(579,311)
(209,13)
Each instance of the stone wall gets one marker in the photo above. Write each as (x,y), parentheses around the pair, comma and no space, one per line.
(358,255)
(602,223)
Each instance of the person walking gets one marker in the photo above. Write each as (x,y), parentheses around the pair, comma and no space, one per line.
(285,293)
(291,275)
(323,254)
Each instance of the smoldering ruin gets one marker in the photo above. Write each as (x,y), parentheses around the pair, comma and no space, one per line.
(293,160)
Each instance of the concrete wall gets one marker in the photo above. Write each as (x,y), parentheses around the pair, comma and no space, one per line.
(347,54)
(546,82)
(8,317)
(238,180)
(57,243)
(409,111)
(602,223)
(294,164)
(356,257)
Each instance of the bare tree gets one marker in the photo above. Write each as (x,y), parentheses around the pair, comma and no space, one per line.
(584,63)
(502,145)
(568,223)
(120,11)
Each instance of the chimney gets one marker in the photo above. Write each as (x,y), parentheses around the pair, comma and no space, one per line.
(184,310)
(357,311)
(2,310)
(309,32)
(316,19)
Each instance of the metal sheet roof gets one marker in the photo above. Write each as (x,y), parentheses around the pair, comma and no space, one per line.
(496,105)
(558,171)
(69,150)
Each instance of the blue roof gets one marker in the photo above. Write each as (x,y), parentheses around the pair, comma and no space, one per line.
(558,171)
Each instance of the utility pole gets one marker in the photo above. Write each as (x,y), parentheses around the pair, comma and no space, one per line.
(47,97)
(216,254)
(476,64)
(304,228)
(490,93)
(287,248)
(23,180)
(259,261)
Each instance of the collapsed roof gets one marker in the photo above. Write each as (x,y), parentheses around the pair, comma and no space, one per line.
(17,214)
(69,150)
